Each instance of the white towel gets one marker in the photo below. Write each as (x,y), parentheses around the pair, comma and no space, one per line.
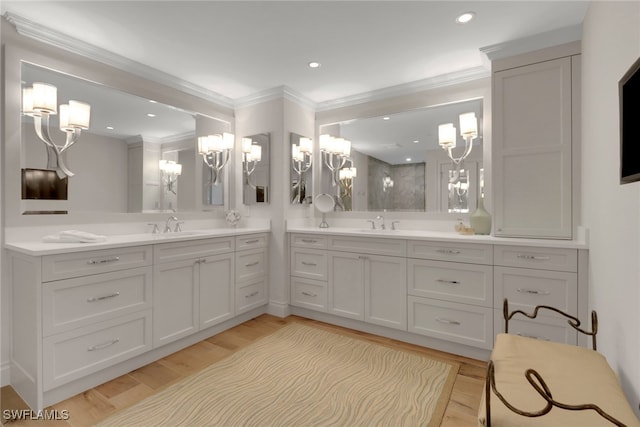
(74,236)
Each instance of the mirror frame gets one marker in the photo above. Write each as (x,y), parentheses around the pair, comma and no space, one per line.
(430,97)
(84,68)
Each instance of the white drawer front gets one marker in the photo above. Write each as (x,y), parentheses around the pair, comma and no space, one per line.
(75,354)
(526,288)
(451,251)
(251,264)
(310,294)
(542,328)
(461,323)
(368,245)
(72,303)
(309,263)
(251,241)
(251,295)
(64,266)
(539,258)
(178,251)
(309,241)
(465,283)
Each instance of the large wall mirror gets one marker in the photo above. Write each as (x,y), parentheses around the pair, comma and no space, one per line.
(256,169)
(138,155)
(396,163)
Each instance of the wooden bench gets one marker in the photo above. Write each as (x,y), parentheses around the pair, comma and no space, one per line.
(531,382)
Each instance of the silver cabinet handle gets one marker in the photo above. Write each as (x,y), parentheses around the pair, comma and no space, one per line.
(448,251)
(532,336)
(533,291)
(103,261)
(104,345)
(252,294)
(363,257)
(251,264)
(309,240)
(447,321)
(311,264)
(201,261)
(450,282)
(309,294)
(249,242)
(94,299)
(533,257)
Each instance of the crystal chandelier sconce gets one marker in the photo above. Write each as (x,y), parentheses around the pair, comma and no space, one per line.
(301,159)
(346,176)
(447,140)
(251,155)
(216,151)
(40,102)
(335,153)
(170,171)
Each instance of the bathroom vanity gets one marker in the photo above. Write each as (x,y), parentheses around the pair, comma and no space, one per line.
(86,313)
(436,289)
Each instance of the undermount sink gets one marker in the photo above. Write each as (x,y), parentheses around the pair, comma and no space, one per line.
(179,234)
(377,230)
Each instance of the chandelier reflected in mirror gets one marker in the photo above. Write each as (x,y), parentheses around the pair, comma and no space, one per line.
(216,151)
(447,139)
(335,152)
(301,159)
(251,155)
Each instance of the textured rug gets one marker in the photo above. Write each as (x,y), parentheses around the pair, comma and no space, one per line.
(303,376)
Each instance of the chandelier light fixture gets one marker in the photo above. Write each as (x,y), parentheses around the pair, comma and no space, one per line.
(251,155)
(216,151)
(387,183)
(301,159)
(170,171)
(335,153)
(40,102)
(447,140)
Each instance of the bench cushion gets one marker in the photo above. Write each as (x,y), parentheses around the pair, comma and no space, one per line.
(575,376)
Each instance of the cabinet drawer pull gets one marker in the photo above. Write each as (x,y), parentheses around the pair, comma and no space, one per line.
(310,264)
(249,242)
(447,321)
(94,299)
(450,282)
(448,251)
(309,294)
(251,264)
(533,257)
(363,257)
(104,345)
(252,294)
(532,336)
(309,241)
(533,291)
(103,261)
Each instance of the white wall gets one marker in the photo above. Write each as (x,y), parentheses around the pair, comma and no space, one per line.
(611,43)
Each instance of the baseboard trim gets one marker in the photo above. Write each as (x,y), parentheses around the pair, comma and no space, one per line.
(279,309)
(5,373)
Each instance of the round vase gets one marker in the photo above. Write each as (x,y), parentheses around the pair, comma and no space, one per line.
(480,220)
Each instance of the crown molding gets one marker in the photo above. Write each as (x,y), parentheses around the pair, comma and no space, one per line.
(279,92)
(46,35)
(530,44)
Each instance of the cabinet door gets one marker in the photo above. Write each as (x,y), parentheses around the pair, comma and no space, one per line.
(216,289)
(346,285)
(532,133)
(386,291)
(175,310)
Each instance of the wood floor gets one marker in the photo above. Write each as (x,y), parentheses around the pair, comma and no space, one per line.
(98,403)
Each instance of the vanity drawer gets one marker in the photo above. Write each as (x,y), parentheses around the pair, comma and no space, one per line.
(178,251)
(542,328)
(368,245)
(309,241)
(75,354)
(72,303)
(475,253)
(251,295)
(251,241)
(558,259)
(309,263)
(451,281)
(526,288)
(64,266)
(307,293)
(461,323)
(251,264)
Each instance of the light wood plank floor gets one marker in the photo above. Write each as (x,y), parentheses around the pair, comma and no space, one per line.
(96,404)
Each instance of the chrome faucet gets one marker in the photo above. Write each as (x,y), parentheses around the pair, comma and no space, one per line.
(393,225)
(167,227)
(373,224)
(382,226)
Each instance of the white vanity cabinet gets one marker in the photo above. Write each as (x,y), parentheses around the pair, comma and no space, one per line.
(535,141)
(251,272)
(309,271)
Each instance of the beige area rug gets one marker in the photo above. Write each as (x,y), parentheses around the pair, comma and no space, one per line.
(303,376)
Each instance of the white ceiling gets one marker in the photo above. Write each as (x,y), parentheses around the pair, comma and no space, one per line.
(240,48)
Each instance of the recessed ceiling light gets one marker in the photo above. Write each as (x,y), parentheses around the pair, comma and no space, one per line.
(408,159)
(416,141)
(153,102)
(463,18)
(314,64)
(385,118)
(150,115)
(110,127)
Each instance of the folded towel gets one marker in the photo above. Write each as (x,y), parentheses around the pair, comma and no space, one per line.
(74,236)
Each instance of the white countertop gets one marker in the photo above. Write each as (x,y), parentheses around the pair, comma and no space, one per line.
(441,236)
(39,248)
